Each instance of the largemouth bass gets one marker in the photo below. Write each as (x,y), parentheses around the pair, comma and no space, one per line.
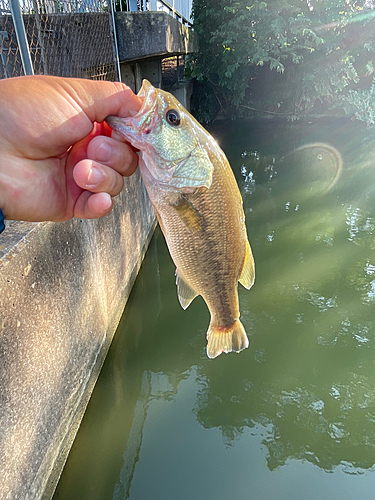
(199,208)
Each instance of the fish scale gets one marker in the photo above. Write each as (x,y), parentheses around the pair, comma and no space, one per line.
(199,208)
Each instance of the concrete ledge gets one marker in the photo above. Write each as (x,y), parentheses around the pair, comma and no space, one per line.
(143,35)
(63,287)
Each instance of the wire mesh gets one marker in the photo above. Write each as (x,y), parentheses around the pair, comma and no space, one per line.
(172,71)
(66,38)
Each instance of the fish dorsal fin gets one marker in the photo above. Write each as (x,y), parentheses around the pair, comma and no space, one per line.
(189,214)
(248,271)
(185,293)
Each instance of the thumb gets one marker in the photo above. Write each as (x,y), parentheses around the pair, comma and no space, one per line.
(98,99)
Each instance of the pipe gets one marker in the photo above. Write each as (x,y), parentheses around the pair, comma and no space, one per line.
(21,37)
(112,7)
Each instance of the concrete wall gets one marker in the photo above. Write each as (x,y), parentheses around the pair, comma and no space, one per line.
(144,39)
(63,287)
(134,73)
(143,35)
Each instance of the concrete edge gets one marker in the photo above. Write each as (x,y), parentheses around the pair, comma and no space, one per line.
(63,287)
(77,416)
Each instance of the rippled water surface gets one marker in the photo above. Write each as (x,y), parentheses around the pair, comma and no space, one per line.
(293,416)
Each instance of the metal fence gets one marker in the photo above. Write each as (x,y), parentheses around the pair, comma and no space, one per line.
(179,9)
(74,38)
(172,69)
(65,38)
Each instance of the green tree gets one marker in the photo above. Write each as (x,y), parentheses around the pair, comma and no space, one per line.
(321,54)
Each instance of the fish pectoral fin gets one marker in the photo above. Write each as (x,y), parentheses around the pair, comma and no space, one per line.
(247,276)
(186,294)
(194,171)
(189,215)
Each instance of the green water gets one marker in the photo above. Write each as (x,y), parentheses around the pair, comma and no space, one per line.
(293,416)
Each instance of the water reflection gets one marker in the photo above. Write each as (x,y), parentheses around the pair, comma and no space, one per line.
(303,393)
(313,247)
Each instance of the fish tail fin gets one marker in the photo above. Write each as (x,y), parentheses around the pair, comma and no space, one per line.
(226,340)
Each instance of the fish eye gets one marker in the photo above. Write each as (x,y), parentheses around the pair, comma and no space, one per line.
(173,117)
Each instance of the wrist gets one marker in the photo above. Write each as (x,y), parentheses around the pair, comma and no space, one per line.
(2,223)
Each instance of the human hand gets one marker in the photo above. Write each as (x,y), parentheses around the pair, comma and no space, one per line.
(57,157)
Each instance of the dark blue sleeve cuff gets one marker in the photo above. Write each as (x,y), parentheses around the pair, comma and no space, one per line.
(2,224)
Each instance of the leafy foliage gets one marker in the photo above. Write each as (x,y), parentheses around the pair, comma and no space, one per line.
(319,53)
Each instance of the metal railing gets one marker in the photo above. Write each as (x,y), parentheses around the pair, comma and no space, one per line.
(63,38)
(179,9)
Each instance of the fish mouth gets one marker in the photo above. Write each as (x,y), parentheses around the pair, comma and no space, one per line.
(144,120)
(148,96)
(145,93)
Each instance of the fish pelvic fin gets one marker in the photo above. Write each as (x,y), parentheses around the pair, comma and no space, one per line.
(247,276)
(226,340)
(185,293)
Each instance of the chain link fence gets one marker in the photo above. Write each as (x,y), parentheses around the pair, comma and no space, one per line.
(172,71)
(65,38)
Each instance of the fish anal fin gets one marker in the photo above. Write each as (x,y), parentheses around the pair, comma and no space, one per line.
(247,276)
(226,340)
(186,294)
(159,220)
(189,214)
